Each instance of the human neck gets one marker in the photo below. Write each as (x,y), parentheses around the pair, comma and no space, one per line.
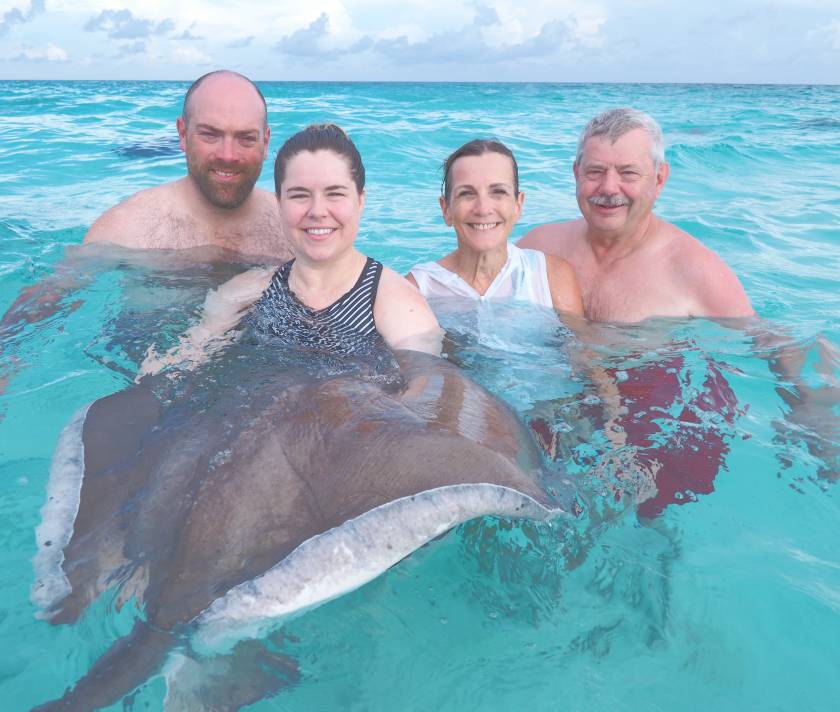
(319,283)
(611,247)
(478,269)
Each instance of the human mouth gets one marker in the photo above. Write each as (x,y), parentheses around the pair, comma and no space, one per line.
(609,201)
(319,231)
(224,175)
(484,226)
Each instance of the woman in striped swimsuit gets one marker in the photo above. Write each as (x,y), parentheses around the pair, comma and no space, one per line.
(331,297)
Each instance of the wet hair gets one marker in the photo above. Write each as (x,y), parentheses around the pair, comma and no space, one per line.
(187,109)
(476,147)
(320,137)
(616,122)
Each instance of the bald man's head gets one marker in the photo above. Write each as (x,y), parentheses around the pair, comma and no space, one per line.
(211,78)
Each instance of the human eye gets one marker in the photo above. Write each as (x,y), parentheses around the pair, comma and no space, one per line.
(594,172)
(248,140)
(464,193)
(500,192)
(630,174)
(297,195)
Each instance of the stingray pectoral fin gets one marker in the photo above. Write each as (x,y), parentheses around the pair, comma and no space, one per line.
(92,475)
(58,514)
(123,667)
(347,556)
(250,673)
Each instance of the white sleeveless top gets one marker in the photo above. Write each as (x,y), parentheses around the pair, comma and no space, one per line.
(523,277)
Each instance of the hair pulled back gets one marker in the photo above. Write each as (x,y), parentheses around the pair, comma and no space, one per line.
(320,137)
(476,147)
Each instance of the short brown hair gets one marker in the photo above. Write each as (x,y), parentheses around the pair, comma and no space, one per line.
(476,147)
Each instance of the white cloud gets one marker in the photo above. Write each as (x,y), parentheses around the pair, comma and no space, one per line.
(50,53)
(17,16)
(190,55)
(123,25)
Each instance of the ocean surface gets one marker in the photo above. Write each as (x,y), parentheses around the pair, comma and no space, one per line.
(704,572)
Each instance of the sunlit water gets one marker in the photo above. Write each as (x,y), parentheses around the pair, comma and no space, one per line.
(723,593)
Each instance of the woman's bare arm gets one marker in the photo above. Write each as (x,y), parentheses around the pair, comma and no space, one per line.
(403,317)
(222,310)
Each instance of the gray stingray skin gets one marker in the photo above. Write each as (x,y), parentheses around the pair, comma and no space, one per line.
(180,511)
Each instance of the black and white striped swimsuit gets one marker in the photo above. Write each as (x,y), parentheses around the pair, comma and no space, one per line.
(346,327)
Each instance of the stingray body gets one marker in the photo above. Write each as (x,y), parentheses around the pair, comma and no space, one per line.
(225,511)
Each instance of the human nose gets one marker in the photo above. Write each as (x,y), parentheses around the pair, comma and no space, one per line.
(317,206)
(227,149)
(481,204)
(609,182)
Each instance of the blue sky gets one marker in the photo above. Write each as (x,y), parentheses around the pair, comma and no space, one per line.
(762,41)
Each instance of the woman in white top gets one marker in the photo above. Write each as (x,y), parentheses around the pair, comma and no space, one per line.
(482,201)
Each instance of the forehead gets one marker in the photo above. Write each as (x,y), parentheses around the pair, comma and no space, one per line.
(631,147)
(489,167)
(314,168)
(227,102)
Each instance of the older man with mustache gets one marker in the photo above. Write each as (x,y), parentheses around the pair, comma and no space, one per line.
(632,265)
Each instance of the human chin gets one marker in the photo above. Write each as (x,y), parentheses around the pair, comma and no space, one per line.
(227,195)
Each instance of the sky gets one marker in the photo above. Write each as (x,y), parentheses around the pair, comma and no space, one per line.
(726,41)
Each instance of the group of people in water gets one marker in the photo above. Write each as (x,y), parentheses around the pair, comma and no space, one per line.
(619,262)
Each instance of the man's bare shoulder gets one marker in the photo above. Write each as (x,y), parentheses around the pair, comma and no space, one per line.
(127,223)
(552,238)
(715,286)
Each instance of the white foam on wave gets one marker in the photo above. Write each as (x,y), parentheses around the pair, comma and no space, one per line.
(58,514)
(348,556)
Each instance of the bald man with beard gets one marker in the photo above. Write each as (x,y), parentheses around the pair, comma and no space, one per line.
(224,134)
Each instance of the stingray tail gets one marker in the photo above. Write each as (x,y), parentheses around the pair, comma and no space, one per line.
(125,665)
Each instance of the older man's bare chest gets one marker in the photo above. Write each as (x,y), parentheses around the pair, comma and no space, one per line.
(630,291)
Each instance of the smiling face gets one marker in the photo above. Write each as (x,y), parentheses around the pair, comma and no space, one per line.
(320,207)
(483,206)
(225,139)
(618,183)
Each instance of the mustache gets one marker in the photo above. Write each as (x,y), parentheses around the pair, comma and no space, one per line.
(609,201)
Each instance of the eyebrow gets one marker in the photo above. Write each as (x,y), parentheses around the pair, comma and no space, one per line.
(216,129)
(309,190)
(470,186)
(618,167)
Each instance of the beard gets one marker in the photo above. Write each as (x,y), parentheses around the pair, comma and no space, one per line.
(224,195)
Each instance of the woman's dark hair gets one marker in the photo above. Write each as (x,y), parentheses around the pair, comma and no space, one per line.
(320,137)
(476,147)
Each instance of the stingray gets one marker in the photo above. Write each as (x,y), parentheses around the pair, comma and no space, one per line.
(164,146)
(225,509)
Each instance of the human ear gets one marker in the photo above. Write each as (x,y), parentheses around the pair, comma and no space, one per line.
(520,201)
(181,126)
(267,135)
(662,174)
(444,208)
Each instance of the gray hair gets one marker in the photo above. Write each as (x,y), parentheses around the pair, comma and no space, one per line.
(616,122)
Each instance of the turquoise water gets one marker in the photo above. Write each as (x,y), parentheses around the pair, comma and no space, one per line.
(729,600)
